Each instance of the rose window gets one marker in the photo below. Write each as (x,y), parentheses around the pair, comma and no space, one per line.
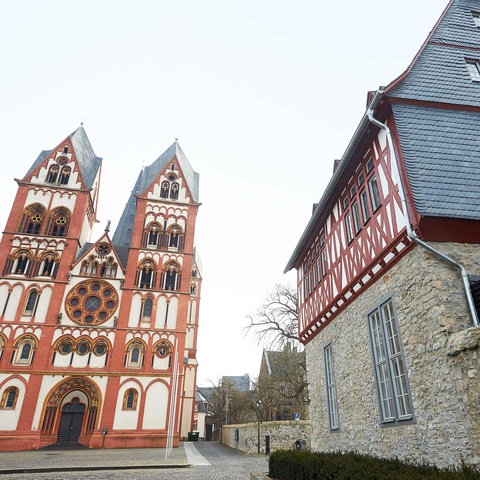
(91,302)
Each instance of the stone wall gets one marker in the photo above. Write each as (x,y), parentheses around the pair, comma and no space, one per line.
(283,435)
(442,357)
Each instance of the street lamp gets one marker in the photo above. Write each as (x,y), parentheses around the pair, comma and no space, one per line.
(259,403)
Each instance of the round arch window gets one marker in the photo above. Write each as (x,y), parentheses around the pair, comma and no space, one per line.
(91,302)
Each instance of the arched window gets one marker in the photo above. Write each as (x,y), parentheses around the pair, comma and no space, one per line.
(134,356)
(109,268)
(175,237)
(146,312)
(83,347)
(24,350)
(52,174)
(9,398)
(65,346)
(21,262)
(89,266)
(32,219)
(100,348)
(152,233)
(130,399)
(64,175)
(32,302)
(146,277)
(165,189)
(47,266)
(3,342)
(174,189)
(58,222)
(193,289)
(171,277)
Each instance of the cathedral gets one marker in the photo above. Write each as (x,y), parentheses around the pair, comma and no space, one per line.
(98,335)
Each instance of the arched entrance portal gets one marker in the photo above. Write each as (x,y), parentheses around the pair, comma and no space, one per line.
(71,413)
(71,423)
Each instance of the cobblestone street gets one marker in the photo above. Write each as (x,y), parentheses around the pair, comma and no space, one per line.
(225,464)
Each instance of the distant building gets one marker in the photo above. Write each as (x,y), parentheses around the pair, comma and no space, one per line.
(98,340)
(389,265)
(282,385)
(241,383)
(203,418)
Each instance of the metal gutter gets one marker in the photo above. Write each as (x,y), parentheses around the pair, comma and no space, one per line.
(411,234)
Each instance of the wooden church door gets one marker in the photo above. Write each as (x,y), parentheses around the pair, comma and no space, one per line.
(71,423)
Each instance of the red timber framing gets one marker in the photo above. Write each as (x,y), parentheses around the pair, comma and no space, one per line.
(361,237)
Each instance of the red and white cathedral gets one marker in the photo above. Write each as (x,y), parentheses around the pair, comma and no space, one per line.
(98,340)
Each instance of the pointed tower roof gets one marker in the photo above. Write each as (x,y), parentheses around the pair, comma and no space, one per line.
(123,232)
(87,161)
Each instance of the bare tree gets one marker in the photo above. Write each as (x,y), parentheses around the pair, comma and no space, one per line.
(276,322)
(228,404)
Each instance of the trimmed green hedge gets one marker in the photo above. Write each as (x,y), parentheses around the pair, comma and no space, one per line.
(307,465)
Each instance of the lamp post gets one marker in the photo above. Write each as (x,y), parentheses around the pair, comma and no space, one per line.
(259,403)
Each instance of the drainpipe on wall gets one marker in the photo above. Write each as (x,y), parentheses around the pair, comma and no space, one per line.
(411,234)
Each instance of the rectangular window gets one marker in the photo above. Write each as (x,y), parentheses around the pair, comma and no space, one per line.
(345,202)
(473,67)
(348,227)
(369,165)
(374,192)
(364,205)
(360,178)
(323,256)
(352,191)
(356,217)
(332,403)
(390,369)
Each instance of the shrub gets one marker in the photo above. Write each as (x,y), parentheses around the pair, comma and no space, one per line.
(307,465)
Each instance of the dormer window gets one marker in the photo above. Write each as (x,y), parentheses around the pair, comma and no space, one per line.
(473,67)
(476,18)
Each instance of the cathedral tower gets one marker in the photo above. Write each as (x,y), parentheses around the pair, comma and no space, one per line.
(98,340)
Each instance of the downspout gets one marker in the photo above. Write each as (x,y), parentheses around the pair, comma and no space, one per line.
(412,235)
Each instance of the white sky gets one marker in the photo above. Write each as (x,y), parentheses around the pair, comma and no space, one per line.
(263,95)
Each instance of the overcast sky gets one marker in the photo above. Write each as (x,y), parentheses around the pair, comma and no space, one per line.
(262,95)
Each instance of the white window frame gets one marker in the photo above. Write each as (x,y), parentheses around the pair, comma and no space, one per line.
(393,389)
(19,351)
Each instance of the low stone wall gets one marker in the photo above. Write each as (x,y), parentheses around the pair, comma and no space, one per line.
(283,435)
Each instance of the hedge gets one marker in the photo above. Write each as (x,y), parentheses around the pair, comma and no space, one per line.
(307,465)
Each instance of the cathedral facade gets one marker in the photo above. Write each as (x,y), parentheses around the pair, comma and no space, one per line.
(98,340)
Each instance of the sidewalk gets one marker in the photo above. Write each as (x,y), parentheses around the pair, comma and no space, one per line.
(33,461)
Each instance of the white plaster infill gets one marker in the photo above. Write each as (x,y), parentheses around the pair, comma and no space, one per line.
(194,457)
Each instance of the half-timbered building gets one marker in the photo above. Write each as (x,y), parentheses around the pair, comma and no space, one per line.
(98,340)
(389,263)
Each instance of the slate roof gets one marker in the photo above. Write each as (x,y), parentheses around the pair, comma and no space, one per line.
(87,161)
(275,361)
(439,136)
(123,232)
(240,382)
(439,73)
(441,150)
